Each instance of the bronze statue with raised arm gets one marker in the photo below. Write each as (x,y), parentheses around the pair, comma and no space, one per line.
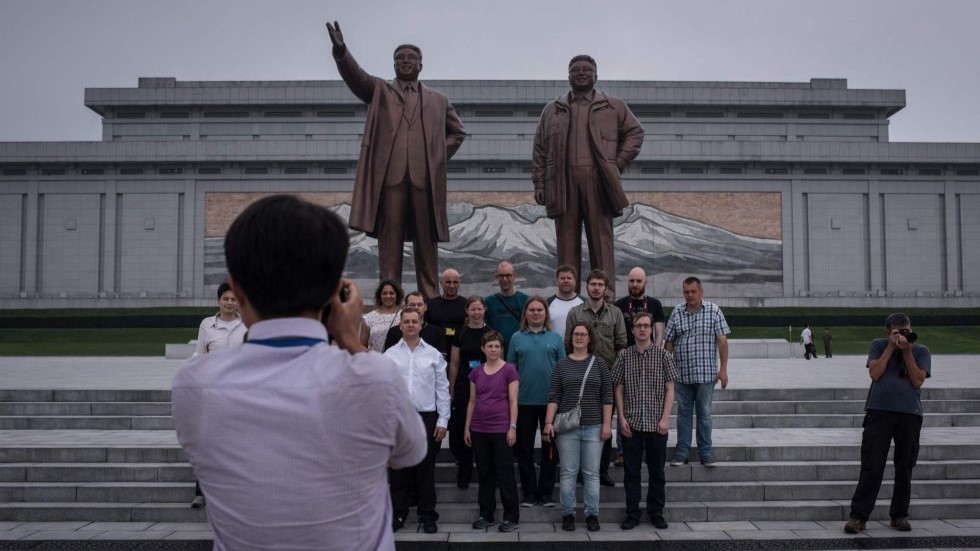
(585,139)
(400,187)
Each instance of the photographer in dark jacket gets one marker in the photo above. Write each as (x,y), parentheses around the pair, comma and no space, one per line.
(898,367)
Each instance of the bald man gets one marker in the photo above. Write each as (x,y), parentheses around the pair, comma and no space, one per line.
(505,307)
(637,301)
(449,309)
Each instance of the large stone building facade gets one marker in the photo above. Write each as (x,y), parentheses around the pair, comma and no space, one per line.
(775,194)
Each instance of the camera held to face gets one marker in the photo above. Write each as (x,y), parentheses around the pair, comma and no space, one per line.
(910,336)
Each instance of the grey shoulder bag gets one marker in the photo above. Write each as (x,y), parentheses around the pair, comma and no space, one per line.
(570,420)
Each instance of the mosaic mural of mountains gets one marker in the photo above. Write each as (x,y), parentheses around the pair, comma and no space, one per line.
(645,236)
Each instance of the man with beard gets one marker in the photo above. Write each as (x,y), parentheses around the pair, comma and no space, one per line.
(637,301)
(610,337)
(565,299)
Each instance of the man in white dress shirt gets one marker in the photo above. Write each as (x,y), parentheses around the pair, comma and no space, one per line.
(290,436)
(424,371)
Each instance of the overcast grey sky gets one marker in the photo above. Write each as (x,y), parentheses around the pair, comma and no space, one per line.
(51,50)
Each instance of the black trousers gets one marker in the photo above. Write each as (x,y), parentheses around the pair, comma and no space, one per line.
(880,428)
(417,485)
(653,445)
(535,488)
(457,424)
(495,468)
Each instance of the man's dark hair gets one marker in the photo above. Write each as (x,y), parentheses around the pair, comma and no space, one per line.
(691,280)
(399,294)
(287,255)
(401,316)
(566,268)
(410,47)
(598,274)
(897,319)
(640,315)
(223,288)
(419,294)
(583,57)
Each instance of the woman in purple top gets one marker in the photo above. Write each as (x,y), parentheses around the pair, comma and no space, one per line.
(491,430)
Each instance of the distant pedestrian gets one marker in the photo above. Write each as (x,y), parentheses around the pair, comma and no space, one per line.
(806,339)
(827,338)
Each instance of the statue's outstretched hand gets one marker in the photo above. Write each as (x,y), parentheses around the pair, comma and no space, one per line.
(336,36)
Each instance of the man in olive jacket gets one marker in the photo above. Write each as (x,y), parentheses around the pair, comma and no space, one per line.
(585,139)
(410,133)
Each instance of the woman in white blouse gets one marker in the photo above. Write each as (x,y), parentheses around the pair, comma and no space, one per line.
(387,297)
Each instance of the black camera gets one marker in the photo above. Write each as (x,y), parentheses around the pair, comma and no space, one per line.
(909,335)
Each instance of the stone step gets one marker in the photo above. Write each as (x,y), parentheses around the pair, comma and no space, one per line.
(720,421)
(91,422)
(723,453)
(446,472)
(729,395)
(705,492)
(84,408)
(612,511)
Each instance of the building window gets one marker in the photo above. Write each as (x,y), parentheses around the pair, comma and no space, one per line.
(456,169)
(130,115)
(14,172)
(336,169)
(92,171)
(854,171)
(892,171)
(776,170)
(283,114)
(930,172)
(729,170)
(256,170)
(692,170)
(53,171)
(860,116)
(653,170)
(814,171)
(336,113)
(759,115)
(968,172)
(494,113)
(209,170)
(170,170)
(295,170)
(130,171)
(812,115)
(226,114)
(704,114)
(652,113)
(174,114)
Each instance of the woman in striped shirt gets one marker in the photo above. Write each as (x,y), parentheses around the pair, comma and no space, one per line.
(581,447)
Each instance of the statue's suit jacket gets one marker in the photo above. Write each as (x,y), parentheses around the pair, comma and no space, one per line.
(443,133)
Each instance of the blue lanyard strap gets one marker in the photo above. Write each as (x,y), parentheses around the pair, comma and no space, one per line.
(286,342)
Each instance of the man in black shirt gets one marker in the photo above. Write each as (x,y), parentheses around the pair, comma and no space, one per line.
(637,301)
(448,310)
(432,334)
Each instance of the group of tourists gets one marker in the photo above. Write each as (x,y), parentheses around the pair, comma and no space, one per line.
(501,373)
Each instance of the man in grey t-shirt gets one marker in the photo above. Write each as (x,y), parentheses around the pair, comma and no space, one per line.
(897,367)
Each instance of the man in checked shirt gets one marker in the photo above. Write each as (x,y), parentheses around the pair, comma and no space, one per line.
(643,381)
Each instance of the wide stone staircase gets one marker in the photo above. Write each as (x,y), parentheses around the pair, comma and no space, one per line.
(784,455)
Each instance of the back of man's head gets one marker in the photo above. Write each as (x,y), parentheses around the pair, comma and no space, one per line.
(286,255)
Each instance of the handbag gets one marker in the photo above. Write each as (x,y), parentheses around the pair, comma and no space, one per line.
(571,419)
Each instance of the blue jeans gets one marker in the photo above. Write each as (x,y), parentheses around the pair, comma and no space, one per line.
(580,448)
(693,398)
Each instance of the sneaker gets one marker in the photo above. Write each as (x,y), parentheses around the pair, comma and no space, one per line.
(678,460)
(527,503)
(198,502)
(658,522)
(482,524)
(901,524)
(397,523)
(548,502)
(429,526)
(568,523)
(709,461)
(630,522)
(592,523)
(854,526)
(508,526)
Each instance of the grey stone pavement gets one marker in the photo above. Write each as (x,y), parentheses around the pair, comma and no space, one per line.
(954,371)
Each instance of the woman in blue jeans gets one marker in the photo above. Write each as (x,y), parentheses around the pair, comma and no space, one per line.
(580,448)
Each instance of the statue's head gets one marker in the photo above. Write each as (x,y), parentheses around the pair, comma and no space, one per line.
(582,73)
(408,62)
